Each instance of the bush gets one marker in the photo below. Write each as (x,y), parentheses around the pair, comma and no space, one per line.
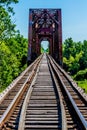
(81,75)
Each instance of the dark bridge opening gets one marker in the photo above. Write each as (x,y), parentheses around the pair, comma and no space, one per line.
(45,24)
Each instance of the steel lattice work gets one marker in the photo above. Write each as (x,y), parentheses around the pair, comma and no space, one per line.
(45,24)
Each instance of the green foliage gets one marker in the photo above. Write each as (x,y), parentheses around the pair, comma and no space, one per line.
(69,48)
(6,4)
(83,60)
(74,55)
(47,50)
(75,61)
(44,51)
(13,55)
(13,47)
(83,84)
(7,27)
(82,74)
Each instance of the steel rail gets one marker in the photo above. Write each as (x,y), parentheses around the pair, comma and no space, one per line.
(43,119)
(64,123)
(82,119)
(12,105)
(73,83)
(14,82)
(23,112)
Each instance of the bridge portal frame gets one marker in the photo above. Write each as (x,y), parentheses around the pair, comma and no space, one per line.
(45,23)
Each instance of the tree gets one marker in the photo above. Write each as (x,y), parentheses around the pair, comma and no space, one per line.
(69,48)
(6,4)
(73,53)
(7,27)
(18,46)
(13,46)
(83,60)
(13,55)
(8,62)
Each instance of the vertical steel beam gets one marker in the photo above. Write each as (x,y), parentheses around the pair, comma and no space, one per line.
(37,45)
(59,36)
(30,36)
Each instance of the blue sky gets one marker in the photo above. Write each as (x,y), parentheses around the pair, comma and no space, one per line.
(74,16)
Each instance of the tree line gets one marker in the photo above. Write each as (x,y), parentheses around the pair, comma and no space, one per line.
(13,46)
(75,58)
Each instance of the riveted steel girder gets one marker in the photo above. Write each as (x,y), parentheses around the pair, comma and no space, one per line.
(45,24)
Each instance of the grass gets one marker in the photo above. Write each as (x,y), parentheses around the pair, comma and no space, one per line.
(83,84)
(2,89)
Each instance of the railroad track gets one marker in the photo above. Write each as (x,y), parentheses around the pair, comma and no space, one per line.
(42,109)
(74,101)
(11,102)
(50,100)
